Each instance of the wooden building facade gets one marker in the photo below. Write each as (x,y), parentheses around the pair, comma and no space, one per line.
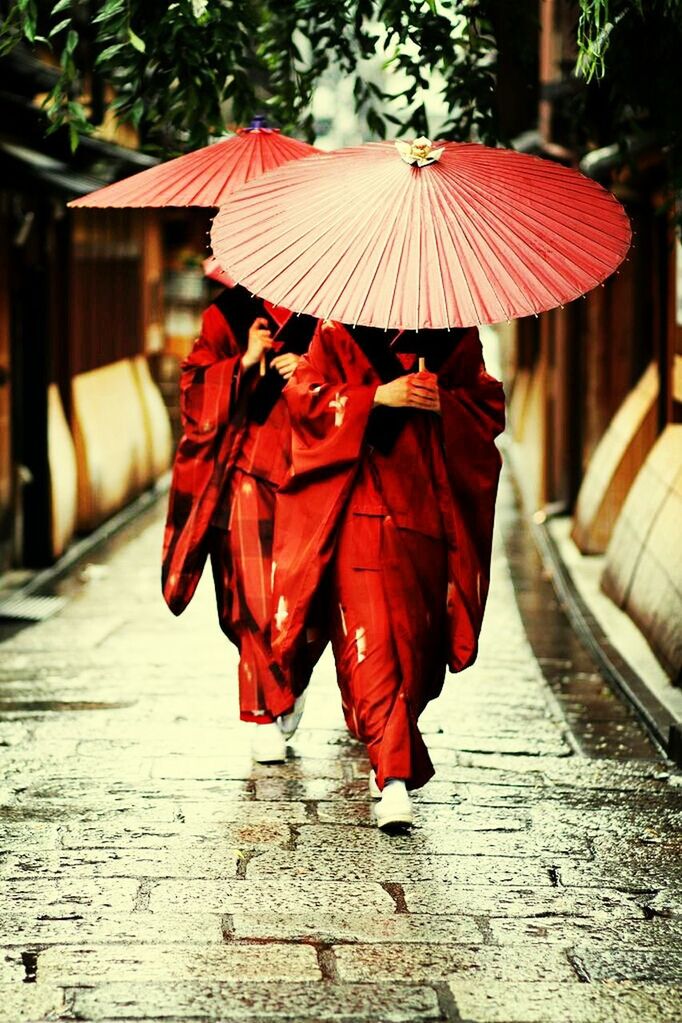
(80,293)
(596,388)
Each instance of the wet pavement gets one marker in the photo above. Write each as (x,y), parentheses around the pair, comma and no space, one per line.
(151,872)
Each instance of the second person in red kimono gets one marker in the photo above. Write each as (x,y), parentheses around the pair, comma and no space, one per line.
(233,455)
(389,512)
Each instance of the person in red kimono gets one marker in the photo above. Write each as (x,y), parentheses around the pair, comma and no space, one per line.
(389,509)
(234,453)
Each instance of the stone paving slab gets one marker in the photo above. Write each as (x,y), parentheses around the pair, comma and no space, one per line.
(155,811)
(431,962)
(149,870)
(131,835)
(336,865)
(572,931)
(243,896)
(29,1002)
(557,1003)
(467,843)
(67,895)
(262,1003)
(201,861)
(76,965)
(497,901)
(333,927)
(642,964)
(76,928)
(639,869)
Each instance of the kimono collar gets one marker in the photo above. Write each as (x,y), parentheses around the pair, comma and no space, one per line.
(375,345)
(382,348)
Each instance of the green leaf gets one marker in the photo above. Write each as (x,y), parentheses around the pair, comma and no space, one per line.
(109,52)
(61,6)
(74,138)
(136,111)
(110,7)
(71,41)
(136,41)
(58,28)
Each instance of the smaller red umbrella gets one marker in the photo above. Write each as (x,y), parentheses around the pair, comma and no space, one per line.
(205,177)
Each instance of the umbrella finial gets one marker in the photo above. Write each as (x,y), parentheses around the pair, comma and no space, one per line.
(258,122)
(420,151)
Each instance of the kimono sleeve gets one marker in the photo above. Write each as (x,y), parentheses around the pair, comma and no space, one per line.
(329,409)
(472,416)
(329,397)
(472,413)
(210,378)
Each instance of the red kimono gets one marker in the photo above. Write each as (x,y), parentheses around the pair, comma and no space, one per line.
(392,510)
(234,453)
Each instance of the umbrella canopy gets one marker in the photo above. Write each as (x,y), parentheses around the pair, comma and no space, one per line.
(214,272)
(203,178)
(420,235)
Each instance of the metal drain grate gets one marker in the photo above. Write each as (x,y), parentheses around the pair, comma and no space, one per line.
(30,609)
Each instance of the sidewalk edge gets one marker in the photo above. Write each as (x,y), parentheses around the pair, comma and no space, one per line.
(659,722)
(87,544)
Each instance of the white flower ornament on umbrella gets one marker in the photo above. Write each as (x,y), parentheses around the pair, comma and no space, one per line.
(419,152)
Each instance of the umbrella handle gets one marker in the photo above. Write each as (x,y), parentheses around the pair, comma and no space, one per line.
(422,364)
(262,366)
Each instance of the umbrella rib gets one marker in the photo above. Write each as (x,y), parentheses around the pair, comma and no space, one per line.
(516,195)
(394,288)
(399,207)
(487,258)
(430,188)
(230,220)
(197,163)
(482,198)
(459,244)
(283,204)
(223,174)
(329,224)
(534,271)
(539,206)
(359,218)
(561,178)
(556,227)
(198,166)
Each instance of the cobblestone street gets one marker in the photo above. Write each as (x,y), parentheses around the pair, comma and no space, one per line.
(151,872)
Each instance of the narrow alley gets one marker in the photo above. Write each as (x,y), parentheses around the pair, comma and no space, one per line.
(151,871)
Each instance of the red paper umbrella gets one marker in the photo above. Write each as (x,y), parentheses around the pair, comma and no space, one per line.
(206,177)
(420,235)
(214,272)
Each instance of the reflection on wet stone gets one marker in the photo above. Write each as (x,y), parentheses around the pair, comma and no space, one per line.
(150,871)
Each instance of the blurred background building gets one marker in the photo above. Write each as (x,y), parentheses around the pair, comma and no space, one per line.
(92,303)
(595,389)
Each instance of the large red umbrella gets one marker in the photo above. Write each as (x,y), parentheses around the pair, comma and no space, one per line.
(205,177)
(419,235)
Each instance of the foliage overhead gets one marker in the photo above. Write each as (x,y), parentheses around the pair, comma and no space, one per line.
(629,54)
(178,71)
